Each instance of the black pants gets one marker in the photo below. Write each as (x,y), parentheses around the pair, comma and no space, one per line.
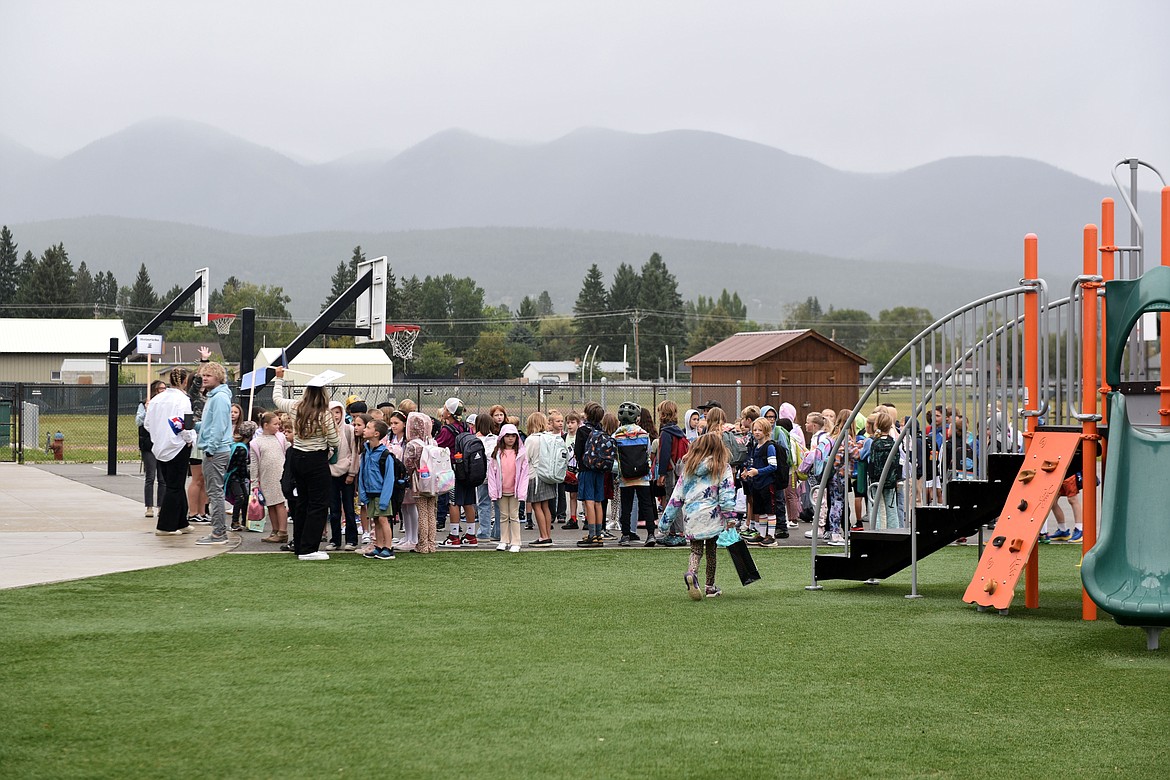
(341,503)
(562,504)
(646,509)
(310,473)
(172,509)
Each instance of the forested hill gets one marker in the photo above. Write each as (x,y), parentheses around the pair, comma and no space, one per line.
(508,263)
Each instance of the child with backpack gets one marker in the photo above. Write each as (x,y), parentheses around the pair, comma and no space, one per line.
(507,482)
(236,481)
(544,450)
(376,488)
(672,448)
(595,451)
(469,461)
(703,502)
(418,435)
(633,450)
(884,495)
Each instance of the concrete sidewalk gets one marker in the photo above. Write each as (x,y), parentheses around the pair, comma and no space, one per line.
(53,528)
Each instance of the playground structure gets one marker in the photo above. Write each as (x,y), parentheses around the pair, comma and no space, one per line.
(1021,375)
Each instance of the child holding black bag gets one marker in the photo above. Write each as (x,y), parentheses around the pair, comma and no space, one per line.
(704,497)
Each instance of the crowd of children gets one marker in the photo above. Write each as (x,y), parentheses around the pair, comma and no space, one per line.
(351,477)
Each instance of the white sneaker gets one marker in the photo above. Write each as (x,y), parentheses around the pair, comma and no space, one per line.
(836,541)
(501,547)
(515,548)
(157,532)
(186,530)
(808,534)
(792,524)
(314,556)
(150,511)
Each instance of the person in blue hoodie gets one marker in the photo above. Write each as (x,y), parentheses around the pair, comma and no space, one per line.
(376,488)
(215,440)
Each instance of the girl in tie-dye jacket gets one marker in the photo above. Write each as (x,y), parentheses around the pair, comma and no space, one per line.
(704,497)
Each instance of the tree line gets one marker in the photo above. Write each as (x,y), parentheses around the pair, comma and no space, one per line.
(492,341)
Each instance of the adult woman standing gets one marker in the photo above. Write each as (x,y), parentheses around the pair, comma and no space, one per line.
(314,433)
(166,421)
(153,487)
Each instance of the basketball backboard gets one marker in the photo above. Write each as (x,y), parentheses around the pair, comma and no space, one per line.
(371,306)
(201,295)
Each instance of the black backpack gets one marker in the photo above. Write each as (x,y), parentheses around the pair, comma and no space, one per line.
(879,452)
(468,458)
(399,489)
(144,441)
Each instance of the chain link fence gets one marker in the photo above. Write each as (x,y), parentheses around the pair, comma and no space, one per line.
(46,422)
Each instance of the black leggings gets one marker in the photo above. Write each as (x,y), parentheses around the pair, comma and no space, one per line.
(310,473)
(172,509)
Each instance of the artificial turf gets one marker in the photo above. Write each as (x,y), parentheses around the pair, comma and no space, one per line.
(567,664)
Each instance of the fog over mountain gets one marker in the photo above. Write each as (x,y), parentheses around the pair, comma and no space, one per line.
(957,212)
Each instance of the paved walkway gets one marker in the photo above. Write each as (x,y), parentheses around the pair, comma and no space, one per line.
(56,528)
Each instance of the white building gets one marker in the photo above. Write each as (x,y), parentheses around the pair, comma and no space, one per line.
(570,371)
(33,350)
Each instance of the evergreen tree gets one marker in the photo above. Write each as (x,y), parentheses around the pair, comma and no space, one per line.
(544,305)
(393,305)
(49,287)
(804,315)
(664,324)
(410,302)
(624,296)
(711,329)
(556,339)
(343,278)
(25,273)
(527,310)
(593,300)
(9,272)
(141,303)
(106,292)
(84,290)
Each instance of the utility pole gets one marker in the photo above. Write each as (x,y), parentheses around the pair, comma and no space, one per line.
(635,318)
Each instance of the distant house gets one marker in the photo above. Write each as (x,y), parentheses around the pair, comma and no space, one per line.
(570,371)
(360,366)
(33,350)
(800,367)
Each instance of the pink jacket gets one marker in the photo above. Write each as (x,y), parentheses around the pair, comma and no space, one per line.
(493,476)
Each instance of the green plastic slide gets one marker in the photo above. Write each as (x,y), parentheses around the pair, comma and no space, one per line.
(1127,572)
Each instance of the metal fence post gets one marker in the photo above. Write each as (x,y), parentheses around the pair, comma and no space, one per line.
(738,396)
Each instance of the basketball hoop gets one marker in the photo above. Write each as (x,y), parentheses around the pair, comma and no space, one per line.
(221,322)
(402,338)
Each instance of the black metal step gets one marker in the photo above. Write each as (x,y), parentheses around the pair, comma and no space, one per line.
(970,504)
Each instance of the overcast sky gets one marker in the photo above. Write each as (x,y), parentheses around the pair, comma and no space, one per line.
(864,86)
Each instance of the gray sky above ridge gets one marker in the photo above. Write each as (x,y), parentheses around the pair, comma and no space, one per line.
(861,86)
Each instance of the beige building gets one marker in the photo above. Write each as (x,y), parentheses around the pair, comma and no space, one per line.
(34,350)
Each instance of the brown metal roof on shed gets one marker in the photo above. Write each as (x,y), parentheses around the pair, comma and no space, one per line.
(801,367)
(753,346)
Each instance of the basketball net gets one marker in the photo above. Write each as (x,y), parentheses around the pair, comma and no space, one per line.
(221,322)
(402,338)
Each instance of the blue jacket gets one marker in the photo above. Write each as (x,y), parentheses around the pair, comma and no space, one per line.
(757,458)
(371,480)
(215,429)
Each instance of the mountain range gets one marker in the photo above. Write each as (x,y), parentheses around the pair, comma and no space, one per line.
(577,199)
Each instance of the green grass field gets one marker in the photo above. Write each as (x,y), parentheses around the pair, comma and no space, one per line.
(567,665)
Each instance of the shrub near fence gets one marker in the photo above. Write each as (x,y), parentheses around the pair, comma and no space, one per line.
(78,412)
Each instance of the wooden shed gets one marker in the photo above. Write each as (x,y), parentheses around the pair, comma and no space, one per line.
(800,367)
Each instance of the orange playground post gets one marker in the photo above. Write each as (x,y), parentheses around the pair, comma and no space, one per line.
(1032,385)
(1089,437)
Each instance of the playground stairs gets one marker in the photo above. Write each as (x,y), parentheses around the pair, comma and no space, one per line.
(970,505)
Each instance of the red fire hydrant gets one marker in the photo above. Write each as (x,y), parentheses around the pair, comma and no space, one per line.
(58,446)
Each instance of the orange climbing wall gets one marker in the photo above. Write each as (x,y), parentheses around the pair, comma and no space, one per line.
(1017,529)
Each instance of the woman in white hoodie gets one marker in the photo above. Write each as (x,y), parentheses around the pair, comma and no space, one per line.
(171,442)
(343,469)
